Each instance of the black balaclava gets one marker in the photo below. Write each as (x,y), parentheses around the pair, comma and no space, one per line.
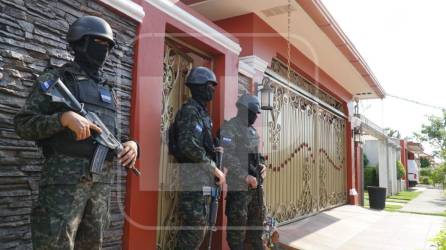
(202,93)
(90,56)
(247,116)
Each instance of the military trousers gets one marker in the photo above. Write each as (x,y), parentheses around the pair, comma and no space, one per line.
(194,211)
(245,211)
(71,216)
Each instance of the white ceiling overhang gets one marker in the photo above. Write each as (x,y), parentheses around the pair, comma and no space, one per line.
(331,50)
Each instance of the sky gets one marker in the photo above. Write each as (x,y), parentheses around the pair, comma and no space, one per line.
(404,44)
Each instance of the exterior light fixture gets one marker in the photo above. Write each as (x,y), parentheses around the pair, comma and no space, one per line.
(356,124)
(357,134)
(266,95)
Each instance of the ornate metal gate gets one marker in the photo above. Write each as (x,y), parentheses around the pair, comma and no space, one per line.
(176,66)
(306,151)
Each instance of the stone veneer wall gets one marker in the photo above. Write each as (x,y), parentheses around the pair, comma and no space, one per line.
(32,37)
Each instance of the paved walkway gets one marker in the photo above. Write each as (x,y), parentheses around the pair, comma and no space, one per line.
(430,201)
(353,227)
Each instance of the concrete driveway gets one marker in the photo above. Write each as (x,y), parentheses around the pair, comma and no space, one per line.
(356,228)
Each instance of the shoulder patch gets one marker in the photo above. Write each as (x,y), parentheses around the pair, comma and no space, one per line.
(44,86)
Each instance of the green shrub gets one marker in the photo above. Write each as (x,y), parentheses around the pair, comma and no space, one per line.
(438,174)
(371,176)
(440,240)
(426,180)
(425,172)
(400,170)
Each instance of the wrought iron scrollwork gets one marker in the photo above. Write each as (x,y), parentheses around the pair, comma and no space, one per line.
(281,68)
(305,145)
(176,66)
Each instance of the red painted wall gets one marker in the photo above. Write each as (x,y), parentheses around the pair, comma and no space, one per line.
(403,145)
(352,164)
(258,38)
(142,192)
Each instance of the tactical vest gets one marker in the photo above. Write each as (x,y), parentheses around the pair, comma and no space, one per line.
(207,141)
(248,147)
(207,138)
(96,98)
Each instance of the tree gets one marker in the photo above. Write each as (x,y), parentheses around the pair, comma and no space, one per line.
(439,174)
(434,132)
(425,162)
(393,133)
(400,170)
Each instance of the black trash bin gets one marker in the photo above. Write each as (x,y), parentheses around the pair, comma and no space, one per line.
(377,197)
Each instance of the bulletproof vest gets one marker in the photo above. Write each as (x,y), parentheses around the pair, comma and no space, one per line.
(248,147)
(207,134)
(207,138)
(96,98)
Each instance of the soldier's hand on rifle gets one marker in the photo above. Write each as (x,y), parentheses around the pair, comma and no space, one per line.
(79,125)
(251,181)
(219,149)
(128,155)
(262,170)
(220,176)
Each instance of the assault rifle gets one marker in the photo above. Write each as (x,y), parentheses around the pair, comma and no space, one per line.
(106,140)
(270,234)
(215,196)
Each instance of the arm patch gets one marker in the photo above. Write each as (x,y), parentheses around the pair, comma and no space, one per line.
(44,86)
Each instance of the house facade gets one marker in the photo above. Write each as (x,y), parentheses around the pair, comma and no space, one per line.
(295,47)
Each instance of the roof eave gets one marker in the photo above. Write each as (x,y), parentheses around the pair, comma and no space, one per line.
(320,15)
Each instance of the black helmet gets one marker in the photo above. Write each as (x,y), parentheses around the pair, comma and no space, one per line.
(90,26)
(250,102)
(200,76)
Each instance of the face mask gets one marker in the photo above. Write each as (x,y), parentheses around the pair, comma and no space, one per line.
(252,117)
(247,116)
(91,54)
(97,53)
(202,93)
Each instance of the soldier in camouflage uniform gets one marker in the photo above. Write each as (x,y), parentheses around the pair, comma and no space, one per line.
(195,152)
(73,206)
(244,202)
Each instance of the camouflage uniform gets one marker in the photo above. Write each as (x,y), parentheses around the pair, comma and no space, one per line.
(73,205)
(196,171)
(245,207)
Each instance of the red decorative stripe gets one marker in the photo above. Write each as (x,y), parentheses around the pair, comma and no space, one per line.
(307,159)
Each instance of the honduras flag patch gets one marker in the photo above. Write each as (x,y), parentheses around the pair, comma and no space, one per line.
(44,86)
(226,140)
(105,95)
